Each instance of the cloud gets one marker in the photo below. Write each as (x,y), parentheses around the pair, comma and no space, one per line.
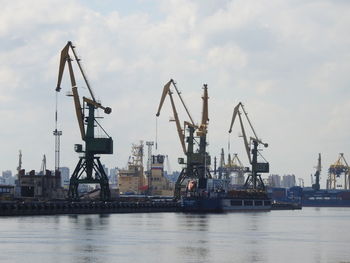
(286,60)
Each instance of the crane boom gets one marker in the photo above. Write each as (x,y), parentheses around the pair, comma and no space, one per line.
(234,115)
(65,58)
(82,71)
(77,105)
(182,101)
(180,132)
(250,124)
(167,91)
(246,145)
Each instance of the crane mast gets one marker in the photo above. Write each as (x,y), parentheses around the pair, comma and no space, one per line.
(316,185)
(89,169)
(197,163)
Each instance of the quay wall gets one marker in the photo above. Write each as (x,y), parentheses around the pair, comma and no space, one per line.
(9,208)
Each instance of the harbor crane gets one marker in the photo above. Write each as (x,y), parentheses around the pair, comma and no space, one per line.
(253,180)
(197,162)
(340,167)
(89,169)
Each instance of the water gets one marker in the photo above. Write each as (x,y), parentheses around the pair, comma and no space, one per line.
(309,235)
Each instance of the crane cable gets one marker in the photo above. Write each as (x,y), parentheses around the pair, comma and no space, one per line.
(56,114)
(229,143)
(57,161)
(156,135)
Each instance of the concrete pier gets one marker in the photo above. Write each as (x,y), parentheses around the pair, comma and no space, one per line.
(13,208)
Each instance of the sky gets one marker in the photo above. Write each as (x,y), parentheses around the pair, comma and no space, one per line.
(287,61)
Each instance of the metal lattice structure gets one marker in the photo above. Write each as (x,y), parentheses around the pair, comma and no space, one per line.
(337,170)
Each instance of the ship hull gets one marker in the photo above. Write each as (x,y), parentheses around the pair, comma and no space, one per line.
(219,205)
(309,197)
(326,204)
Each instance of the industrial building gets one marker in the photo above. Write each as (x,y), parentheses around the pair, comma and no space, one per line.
(39,185)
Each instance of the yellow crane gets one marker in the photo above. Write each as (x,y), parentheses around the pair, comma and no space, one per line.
(340,167)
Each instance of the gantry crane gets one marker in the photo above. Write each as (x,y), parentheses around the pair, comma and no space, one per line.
(197,163)
(233,166)
(253,180)
(336,170)
(89,169)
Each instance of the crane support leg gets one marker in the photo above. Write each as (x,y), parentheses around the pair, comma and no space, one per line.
(179,181)
(105,193)
(74,183)
(98,176)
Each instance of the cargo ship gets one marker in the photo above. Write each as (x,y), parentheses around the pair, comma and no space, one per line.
(309,197)
(325,197)
(314,196)
(217,198)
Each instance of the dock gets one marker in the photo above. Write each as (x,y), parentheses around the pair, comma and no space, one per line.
(13,208)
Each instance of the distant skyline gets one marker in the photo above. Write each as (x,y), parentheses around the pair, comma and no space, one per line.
(286,61)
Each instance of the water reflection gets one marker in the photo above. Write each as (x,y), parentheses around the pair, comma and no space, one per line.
(309,235)
(195,246)
(88,237)
(195,222)
(90,221)
(254,243)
